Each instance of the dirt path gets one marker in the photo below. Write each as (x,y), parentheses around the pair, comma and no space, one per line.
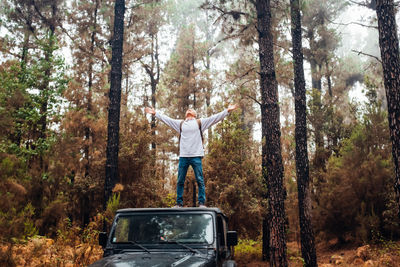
(383,255)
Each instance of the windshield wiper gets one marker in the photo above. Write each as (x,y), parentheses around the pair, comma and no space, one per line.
(137,244)
(181,244)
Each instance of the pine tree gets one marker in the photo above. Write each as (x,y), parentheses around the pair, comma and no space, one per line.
(322,41)
(272,167)
(115,101)
(151,62)
(84,123)
(41,80)
(181,73)
(302,165)
(389,45)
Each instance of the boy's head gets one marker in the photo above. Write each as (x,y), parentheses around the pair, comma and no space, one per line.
(190,113)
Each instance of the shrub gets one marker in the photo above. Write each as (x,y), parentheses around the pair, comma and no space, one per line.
(247,251)
(356,197)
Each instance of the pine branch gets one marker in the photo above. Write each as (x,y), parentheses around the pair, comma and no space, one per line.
(224,13)
(357,3)
(146,68)
(136,5)
(354,23)
(9,52)
(44,19)
(284,48)
(252,98)
(365,54)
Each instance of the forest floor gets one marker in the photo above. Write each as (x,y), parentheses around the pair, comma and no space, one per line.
(41,251)
(382,255)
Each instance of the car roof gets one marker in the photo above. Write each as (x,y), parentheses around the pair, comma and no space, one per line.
(174,210)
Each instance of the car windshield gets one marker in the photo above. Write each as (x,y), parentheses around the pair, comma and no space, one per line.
(164,228)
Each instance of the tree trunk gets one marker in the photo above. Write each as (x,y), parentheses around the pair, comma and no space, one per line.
(25,47)
(85,206)
(315,75)
(389,44)
(328,79)
(154,78)
(16,137)
(317,112)
(154,74)
(88,131)
(265,239)
(208,68)
(272,165)
(44,88)
(115,102)
(302,164)
(318,121)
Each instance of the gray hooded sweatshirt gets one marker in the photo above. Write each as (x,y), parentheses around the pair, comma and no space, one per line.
(191,144)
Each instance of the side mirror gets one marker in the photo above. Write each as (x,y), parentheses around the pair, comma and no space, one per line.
(103,239)
(232,238)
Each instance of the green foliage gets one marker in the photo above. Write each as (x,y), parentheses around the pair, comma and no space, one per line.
(28,94)
(170,200)
(113,203)
(91,233)
(17,224)
(389,246)
(11,167)
(297,259)
(356,194)
(30,97)
(13,98)
(30,229)
(112,207)
(67,232)
(233,181)
(248,250)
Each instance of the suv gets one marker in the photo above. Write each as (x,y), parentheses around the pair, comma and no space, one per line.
(168,237)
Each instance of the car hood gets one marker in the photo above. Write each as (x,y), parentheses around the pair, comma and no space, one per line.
(154,260)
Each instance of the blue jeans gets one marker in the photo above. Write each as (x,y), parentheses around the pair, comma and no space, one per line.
(184,163)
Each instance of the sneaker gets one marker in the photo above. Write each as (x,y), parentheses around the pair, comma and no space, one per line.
(201,205)
(178,206)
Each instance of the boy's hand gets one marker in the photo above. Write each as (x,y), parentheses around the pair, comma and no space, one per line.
(150,110)
(232,107)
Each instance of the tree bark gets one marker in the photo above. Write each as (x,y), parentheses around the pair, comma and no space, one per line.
(265,238)
(84,194)
(302,164)
(317,112)
(389,45)
(208,68)
(88,130)
(154,74)
(272,165)
(115,102)
(45,93)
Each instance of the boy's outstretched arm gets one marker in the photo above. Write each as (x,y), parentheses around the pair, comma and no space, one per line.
(174,124)
(210,121)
